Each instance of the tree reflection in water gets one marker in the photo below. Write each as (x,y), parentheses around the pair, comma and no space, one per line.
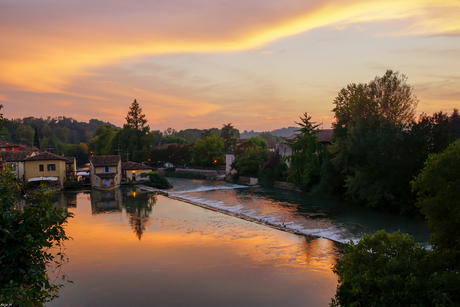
(138,205)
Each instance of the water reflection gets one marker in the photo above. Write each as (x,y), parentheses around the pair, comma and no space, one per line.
(106,201)
(332,219)
(188,256)
(138,205)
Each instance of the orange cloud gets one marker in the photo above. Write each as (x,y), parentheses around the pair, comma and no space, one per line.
(44,54)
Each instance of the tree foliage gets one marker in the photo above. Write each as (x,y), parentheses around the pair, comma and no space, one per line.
(208,151)
(230,136)
(158,181)
(250,155)
(26,237)
(135,118)
(391,270)
(307,153)
(377,144)
(437,187)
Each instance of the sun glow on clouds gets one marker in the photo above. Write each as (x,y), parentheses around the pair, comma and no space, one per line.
(46,53)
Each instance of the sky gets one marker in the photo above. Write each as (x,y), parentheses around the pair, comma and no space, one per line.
(258,64)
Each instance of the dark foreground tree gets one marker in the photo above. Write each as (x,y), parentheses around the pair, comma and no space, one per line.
(27,236)
(438,187)
(387,270)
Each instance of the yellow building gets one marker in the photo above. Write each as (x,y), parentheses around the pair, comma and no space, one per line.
(105,172)
(133,170)
(45,167)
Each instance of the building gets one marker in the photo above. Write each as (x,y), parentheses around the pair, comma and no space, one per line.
(133,170)
(15,160)
(45,167)
(105,172)
(229,158)
(324,137)
(8,146)
(71,169)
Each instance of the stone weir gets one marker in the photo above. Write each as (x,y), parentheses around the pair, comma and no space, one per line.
(237,215)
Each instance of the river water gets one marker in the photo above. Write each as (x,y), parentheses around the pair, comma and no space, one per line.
(134,248)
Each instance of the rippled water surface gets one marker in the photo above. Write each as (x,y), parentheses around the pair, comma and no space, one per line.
(134,248)
(332,219)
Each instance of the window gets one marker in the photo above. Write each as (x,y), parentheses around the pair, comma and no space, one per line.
(106,169)
(41,168)
(51,167)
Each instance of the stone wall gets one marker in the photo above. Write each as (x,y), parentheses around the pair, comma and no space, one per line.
(248,180)
(204,172)
(286,186)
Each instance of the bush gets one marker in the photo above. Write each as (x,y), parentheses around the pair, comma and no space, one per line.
(26,236)
(437,187)
(391,270)
(73,185)
(159,181)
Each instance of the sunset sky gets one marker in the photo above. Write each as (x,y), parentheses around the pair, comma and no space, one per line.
(258,64)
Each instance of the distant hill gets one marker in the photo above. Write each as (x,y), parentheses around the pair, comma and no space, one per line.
(282,132)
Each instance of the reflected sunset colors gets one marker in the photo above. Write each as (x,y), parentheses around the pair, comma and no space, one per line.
(140,249)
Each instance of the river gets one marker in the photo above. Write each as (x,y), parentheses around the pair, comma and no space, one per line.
(134,248)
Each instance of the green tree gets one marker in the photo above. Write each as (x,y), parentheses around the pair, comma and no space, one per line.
(250,155)
(26,237)
(371,124)
(267,136)
(208,151)
(274,169)
(158,180)
(230,136)
(24,134)
(102,141)
(80,152)
(36,138)
(437,188)
(307,152)
(135,119)
(391,270)
(135,138)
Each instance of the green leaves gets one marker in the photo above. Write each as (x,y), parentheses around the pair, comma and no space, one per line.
(27,235)
(208,151)
(391,270)
(437,188)
(307,154)
(250,155)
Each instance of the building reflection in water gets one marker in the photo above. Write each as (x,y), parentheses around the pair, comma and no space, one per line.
(106,201)
(138,205)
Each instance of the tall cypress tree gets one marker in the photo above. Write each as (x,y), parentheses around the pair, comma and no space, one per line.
(36,139)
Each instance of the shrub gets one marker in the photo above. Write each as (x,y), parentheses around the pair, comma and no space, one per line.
(159,181)
(73,185)
(26,236)
(391,270)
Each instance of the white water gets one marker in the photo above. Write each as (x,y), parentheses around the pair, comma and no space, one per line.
(295,211)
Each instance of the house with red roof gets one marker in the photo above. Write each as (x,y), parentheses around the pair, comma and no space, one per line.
(105,172)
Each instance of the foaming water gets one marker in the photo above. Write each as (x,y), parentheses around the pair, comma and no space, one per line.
(297,212)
